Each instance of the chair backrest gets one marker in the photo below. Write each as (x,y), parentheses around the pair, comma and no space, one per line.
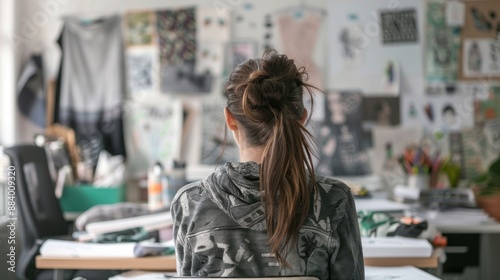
(39,211)
(249,278)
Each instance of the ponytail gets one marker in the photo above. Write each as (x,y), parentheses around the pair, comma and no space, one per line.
(285,165)
(266,97)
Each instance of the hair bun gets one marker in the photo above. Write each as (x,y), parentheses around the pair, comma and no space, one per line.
(266,91)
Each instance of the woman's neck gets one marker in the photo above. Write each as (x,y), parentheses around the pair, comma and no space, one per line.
(251,154)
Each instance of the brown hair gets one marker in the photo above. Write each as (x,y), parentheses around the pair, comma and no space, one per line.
(265,96)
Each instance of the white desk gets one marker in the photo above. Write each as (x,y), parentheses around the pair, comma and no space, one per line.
(168,263)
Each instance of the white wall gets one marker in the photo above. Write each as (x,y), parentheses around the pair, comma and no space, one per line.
(39,23)
(7,73)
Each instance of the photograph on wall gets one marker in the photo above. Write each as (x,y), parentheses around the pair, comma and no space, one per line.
(140,28)
(177,46)
(399,26)
(153,129)
(379,111)
(442,46)
(388,144)
(218,145)
(141,70)
(339,136)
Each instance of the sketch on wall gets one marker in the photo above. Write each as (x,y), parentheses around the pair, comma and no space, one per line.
(177,47)
(360,60)
(218,145)
(442,45)
(153,126)
(399,26)
(481,41)
(140,28)
(213,33)
(141,70)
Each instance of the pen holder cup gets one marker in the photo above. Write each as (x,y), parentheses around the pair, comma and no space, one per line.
(419,181)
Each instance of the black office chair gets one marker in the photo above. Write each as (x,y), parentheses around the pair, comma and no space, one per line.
(40,214)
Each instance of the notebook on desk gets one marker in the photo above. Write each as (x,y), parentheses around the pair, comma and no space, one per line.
(398,272)
(63,248)
(379,205)
(395,247)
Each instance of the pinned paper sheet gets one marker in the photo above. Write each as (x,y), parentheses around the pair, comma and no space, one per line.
(455,13)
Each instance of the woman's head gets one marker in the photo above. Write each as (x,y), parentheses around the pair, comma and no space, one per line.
(260,90)
(265,98)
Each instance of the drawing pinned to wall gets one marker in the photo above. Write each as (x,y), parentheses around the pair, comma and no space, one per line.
(213,33)
(412,112)
(177,47)
(351,38)
(140,28)
(478,148)
(442,47)
(339,136)
(299,36)
(217,148)
(359,59)
(429,111)
(140,69)
(399,26)
(449,115)
(481,41)
(153,127)
(489,109)
(481,58)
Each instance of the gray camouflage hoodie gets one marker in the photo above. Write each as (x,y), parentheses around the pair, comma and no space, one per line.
(220,230)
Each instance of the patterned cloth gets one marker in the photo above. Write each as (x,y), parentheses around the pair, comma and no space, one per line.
(220,230)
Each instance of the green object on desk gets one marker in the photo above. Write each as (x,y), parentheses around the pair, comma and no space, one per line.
(82,197)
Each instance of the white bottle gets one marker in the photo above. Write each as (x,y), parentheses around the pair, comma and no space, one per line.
(154,187)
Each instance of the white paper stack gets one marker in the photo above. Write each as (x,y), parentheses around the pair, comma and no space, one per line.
(397,272)
(64,248)
(148,222)
(396,247)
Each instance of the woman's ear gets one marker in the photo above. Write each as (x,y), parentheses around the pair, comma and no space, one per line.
(304,117)
(230,121)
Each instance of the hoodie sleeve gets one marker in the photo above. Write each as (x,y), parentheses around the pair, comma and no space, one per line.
(348,263)
(182,250)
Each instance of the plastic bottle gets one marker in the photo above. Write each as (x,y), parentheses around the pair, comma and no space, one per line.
(154,187)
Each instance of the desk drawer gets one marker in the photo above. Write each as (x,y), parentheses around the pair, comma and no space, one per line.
(462,251)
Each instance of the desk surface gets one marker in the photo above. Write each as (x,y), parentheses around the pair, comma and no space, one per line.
(486,228)
(167,263)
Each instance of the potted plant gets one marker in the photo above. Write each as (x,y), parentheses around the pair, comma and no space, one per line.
(487,190)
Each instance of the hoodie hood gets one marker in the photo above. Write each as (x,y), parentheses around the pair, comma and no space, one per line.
(235,188)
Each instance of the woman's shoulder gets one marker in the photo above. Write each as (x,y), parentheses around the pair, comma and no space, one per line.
(333,192)
(333,186)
